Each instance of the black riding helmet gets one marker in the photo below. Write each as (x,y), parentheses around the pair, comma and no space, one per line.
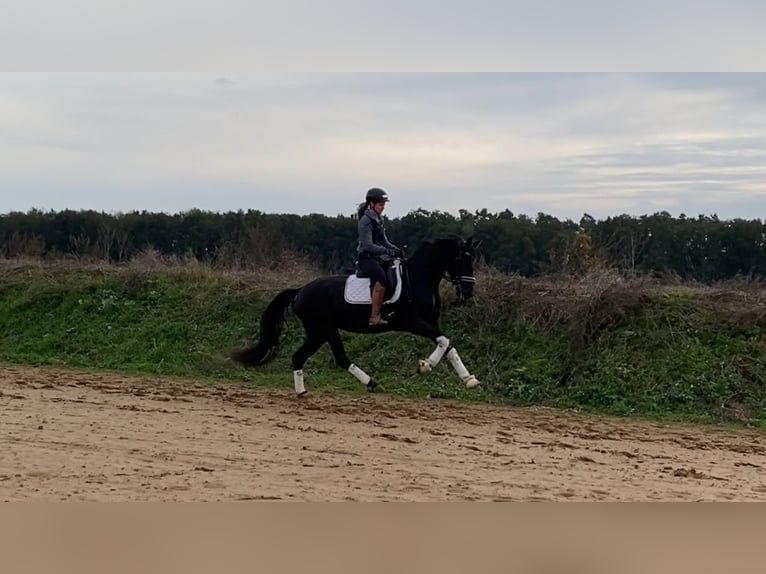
(376,195)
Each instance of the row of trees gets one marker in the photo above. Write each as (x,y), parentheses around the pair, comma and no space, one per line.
(702,248)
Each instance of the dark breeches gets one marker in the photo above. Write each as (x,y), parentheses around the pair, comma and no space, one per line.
(374,270)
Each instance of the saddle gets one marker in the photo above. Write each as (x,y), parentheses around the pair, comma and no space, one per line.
(357,290)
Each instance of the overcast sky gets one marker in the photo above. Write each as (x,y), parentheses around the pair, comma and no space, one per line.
(563,144)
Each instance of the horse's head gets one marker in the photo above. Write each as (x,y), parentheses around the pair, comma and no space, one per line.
(449,258)
(460,266)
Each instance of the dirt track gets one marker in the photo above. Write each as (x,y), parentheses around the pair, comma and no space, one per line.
(68,435)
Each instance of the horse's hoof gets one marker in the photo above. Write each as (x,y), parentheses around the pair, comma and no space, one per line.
(472,382)
(303,394)
(373,387)
(424,367)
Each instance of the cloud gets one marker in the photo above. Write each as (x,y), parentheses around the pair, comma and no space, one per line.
(340,34)
(556,143)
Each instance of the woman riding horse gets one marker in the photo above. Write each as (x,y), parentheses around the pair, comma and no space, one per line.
(373,245)
(324,311)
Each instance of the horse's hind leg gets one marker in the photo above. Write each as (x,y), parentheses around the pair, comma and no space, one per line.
(315,338)
(342,360)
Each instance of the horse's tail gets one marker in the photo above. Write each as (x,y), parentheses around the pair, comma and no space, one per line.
(271,329)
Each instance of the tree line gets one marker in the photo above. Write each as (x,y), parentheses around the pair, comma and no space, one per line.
(703,248)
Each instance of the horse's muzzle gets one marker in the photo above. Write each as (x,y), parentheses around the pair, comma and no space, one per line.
(464,286)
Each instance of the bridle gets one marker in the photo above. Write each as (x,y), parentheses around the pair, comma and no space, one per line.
(458,280)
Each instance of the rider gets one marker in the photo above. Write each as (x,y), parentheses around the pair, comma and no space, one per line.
(373,244)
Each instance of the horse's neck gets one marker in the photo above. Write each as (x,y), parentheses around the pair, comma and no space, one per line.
(424,272)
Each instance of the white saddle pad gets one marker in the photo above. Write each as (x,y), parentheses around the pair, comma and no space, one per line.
(357,291)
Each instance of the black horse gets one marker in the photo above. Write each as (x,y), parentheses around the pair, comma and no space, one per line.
(329,304)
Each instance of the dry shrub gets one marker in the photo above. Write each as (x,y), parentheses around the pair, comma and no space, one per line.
(586,304)
(738,303)
(292,269)
(258,247)
(601,298)
(22,245)
(287,270)
(150,259)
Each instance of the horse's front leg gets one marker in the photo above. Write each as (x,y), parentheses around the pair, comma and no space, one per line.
(470,380)
(428,364)
(442,347)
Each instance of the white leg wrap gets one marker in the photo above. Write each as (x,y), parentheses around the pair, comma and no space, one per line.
(363,377)
(298,380)
(457,364)
(442,344)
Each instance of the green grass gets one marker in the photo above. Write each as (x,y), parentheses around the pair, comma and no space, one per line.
(666,358)
(672,358)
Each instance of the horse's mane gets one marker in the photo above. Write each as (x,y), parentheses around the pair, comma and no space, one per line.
(438,243)
(444,238)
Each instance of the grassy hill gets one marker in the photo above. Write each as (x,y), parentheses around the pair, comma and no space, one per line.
(599,342)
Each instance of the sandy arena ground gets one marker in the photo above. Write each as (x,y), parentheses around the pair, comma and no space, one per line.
(71,435)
